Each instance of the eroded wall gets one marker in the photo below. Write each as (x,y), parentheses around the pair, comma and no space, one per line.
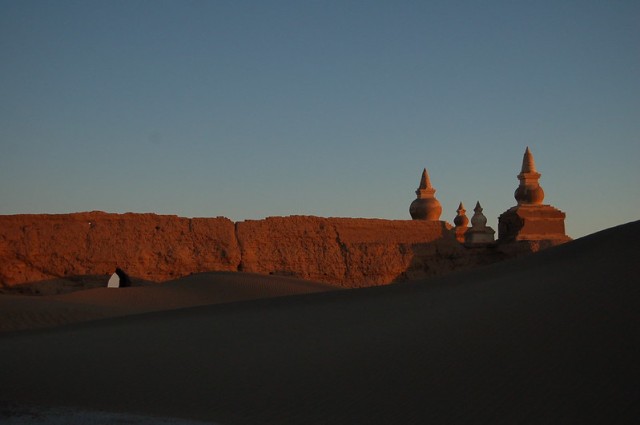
(149,246)
(357,252)
(344,251)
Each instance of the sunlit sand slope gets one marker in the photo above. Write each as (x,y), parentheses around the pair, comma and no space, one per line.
(550,338)
(20,312)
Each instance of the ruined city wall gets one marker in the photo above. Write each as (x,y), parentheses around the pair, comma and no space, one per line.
(148,246)
(348,252)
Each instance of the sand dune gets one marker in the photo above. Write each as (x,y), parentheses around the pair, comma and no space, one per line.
(19,312)
(551,338)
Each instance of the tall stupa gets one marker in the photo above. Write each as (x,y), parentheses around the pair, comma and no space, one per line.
(425,206)
(531,220)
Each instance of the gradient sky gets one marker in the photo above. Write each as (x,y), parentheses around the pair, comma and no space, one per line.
(248,109)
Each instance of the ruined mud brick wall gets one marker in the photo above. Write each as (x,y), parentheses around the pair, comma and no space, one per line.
(349,252)
(148,246)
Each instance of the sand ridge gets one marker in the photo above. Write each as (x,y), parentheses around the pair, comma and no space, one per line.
(550,338)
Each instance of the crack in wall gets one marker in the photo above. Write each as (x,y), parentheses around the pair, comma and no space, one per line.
(344,251)
(240,265)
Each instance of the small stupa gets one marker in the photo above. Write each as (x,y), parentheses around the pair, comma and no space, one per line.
(479,233)
(425,206)
(530,219)
(461,221)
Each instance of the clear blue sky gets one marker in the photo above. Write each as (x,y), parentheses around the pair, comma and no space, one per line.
(248,109)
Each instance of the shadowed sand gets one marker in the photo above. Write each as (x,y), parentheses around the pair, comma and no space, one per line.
(21,312)
(550,338)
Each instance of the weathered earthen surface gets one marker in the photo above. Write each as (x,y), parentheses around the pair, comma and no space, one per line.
(348,252)
(522,248)
(532,223)
(148,246)
(353,252)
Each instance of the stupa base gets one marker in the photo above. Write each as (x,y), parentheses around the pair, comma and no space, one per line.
(532,223)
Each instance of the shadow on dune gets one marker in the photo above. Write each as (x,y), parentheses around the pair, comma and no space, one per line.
(550,338)
(430,261)
(19,312)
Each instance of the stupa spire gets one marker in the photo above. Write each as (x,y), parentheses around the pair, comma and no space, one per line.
(425,190)
(528,164)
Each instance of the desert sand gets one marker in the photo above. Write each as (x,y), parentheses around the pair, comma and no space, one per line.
(550,338)
(19,312)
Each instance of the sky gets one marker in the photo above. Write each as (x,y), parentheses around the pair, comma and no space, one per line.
(250,109)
